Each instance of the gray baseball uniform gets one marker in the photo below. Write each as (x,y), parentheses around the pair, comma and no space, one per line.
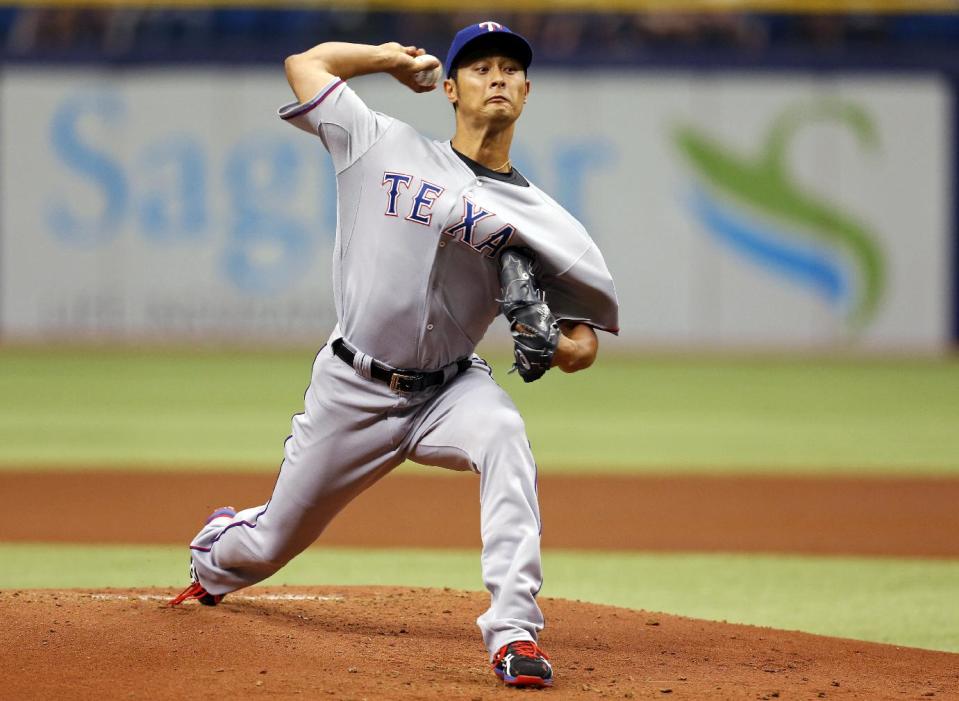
(415,284)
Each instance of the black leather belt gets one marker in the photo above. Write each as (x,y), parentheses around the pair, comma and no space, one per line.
(404,381)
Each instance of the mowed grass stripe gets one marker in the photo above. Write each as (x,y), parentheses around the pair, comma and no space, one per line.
(903,602)
(186,409)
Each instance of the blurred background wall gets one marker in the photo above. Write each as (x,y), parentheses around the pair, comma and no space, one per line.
(756,179)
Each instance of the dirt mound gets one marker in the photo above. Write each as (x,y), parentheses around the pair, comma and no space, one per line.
(391,643)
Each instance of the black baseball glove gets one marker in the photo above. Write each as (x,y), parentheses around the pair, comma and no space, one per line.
(535,331)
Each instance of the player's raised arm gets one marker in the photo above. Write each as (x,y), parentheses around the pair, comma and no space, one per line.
(312,70)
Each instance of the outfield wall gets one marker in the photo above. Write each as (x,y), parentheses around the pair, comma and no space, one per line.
(733,209)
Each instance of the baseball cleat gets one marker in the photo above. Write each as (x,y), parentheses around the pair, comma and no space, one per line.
(522,663)
(227,512)
(196,590)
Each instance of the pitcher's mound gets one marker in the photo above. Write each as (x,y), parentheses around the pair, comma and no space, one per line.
(401,643)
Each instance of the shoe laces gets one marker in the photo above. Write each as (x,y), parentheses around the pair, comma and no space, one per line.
(527,648)
(194,591)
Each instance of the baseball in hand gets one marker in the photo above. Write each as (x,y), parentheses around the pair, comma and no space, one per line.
(428,76)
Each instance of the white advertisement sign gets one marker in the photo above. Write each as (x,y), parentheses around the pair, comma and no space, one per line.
(733,210)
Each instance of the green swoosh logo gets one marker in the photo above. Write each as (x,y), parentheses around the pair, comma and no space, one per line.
(764,183)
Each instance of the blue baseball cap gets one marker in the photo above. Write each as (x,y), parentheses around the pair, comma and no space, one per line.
(489,31)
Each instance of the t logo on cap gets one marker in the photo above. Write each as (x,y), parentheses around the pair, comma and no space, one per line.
(475,34)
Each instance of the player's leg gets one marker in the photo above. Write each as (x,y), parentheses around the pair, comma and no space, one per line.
(342,443)
(473,424)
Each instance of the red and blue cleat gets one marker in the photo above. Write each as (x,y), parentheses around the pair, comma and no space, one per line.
(522,663)
(196,590)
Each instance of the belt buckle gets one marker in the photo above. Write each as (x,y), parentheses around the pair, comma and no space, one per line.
(397,380)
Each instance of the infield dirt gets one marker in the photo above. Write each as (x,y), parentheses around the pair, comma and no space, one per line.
(385,643)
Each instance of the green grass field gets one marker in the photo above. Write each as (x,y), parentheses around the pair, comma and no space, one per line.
(187,409)
(198,409)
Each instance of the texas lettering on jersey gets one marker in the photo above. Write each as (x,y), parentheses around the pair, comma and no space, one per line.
(420,211)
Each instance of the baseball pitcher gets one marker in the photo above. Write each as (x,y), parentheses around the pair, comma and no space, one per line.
(434,240)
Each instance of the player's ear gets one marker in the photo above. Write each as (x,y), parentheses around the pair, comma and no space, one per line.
(449,87)
(526,96)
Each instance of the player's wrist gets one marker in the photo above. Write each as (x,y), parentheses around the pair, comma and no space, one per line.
(385,56)
(566,350)
(573,355)
(392,57)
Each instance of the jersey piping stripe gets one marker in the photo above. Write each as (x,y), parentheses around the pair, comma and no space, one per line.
(307,106)
(220,534)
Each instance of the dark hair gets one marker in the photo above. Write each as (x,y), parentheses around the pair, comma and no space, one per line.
(494,46)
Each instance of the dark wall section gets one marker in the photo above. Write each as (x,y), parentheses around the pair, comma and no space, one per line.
(256,35)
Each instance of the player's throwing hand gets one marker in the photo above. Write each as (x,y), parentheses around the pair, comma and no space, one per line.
(410,60)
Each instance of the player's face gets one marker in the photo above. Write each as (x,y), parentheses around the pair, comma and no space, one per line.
(489,88)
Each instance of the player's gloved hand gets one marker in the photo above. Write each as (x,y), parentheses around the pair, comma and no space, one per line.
(534,330)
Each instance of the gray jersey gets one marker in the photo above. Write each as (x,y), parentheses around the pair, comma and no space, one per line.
(415,282)
(415,279)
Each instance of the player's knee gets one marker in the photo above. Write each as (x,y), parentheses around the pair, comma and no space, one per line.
(503,425)
(507,424)
(276,554)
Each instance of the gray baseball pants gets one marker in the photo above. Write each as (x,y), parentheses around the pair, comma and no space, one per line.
(353,431)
